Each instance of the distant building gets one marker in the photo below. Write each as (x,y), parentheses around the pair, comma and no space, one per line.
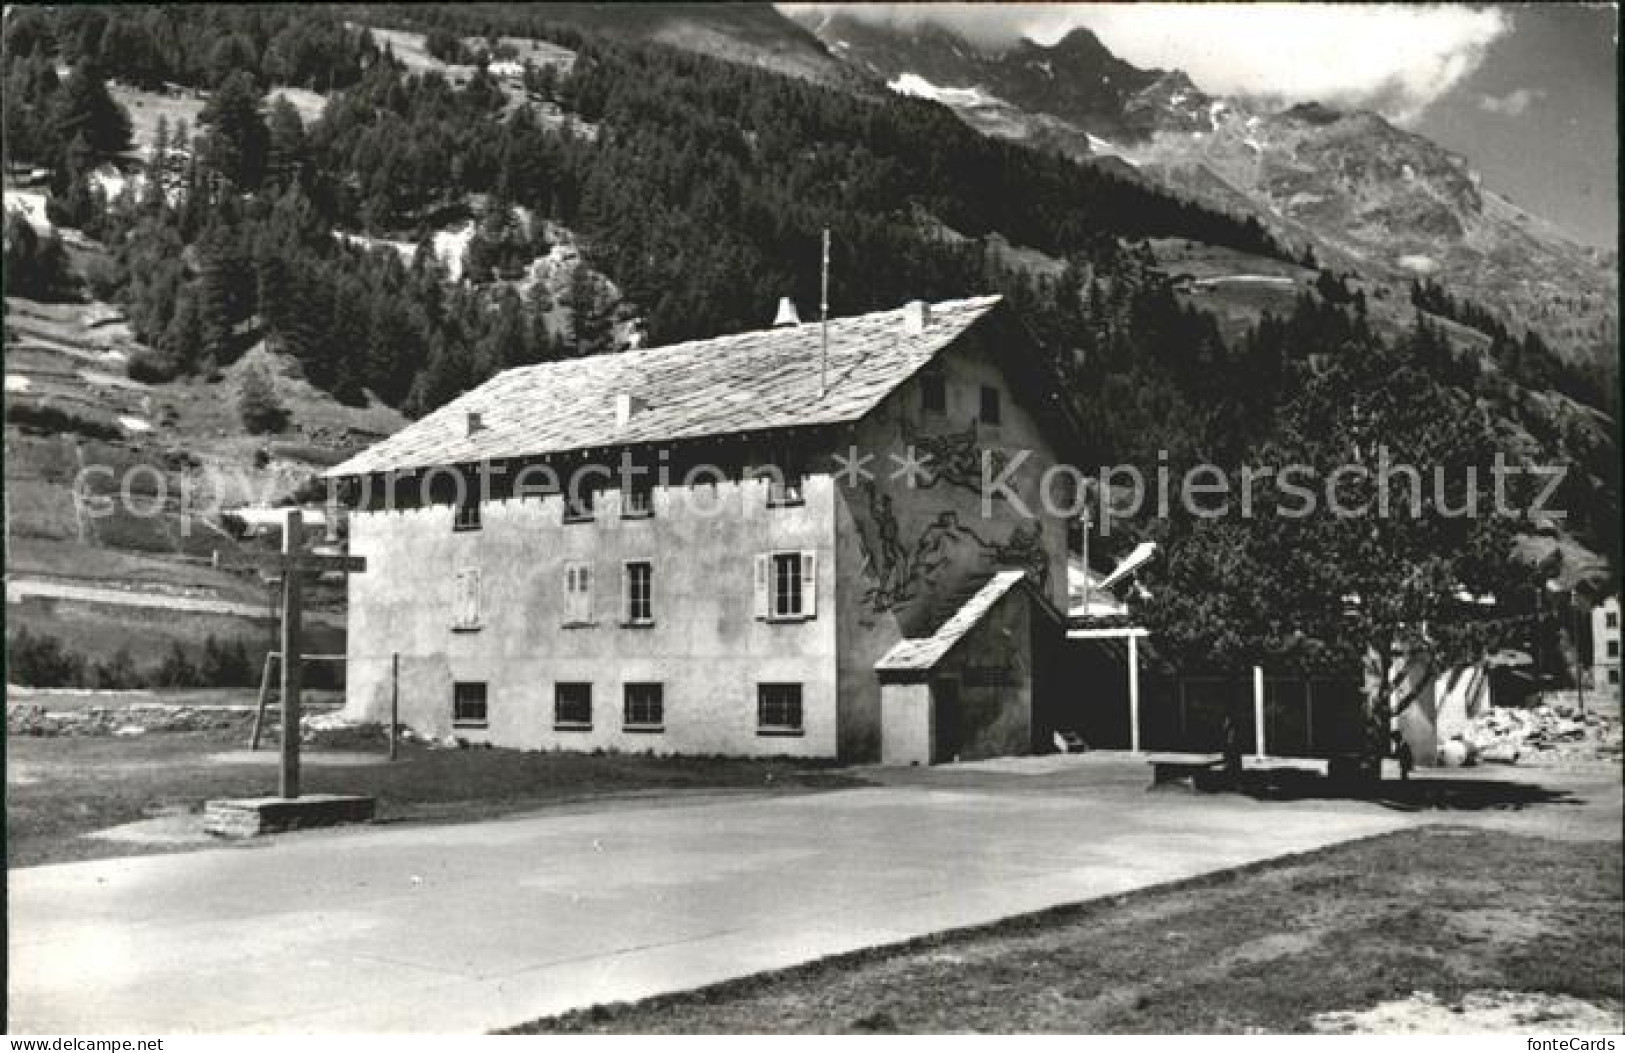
(790,586)
(1605,644)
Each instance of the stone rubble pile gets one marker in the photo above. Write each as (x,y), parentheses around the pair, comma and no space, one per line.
(1540,734)
(122,721)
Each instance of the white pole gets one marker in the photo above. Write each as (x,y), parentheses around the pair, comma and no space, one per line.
(1133,693)
(1258,711)
(823,322)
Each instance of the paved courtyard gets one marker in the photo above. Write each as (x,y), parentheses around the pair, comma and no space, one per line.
(477,926)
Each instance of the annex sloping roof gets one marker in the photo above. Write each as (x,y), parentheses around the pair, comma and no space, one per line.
(746,382)
(918,654)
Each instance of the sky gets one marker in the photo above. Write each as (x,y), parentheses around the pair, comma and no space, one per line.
(1526,91)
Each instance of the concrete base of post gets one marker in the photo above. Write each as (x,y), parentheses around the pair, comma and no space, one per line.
(253,816)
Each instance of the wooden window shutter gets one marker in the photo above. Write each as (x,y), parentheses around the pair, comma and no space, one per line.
(809,584)
(584,592)
(626,592)
(473,597)
(764,586)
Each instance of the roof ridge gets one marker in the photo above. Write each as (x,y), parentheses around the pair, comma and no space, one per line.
(641,353)
(738,383)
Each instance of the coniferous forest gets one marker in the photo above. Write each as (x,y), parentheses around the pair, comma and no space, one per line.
(698,187)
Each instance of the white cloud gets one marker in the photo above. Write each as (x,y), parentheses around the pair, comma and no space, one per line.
(1393,58)
(1513,104)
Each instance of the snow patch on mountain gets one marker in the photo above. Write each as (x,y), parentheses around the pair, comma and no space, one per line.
(1110,149)
(918,86)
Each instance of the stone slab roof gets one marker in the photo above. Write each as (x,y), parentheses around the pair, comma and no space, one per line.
(918,654)
(747,382)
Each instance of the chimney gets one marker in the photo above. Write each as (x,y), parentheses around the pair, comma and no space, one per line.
(626,407)
(787,313)
(916,317)
(475,424)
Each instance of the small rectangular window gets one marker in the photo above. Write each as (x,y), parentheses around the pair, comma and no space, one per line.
(637,499)
(645,707)
(1613,648)
(933,392)
(468,709)
(467,515)
(639,593)
(778,709)
(579,499)
(1613,619)
(784,485)
(990,405)
(572,706)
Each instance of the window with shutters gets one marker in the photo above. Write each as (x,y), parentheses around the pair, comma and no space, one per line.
(468,709)
(638,594)
(786,586)
(778,709)
(577,594)
(645,707)
(572,706)
(465,615)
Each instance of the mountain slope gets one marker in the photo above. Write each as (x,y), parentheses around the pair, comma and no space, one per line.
(1364,194)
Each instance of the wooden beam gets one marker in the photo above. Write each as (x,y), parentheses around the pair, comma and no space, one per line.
(1134,693)
(288,783)
(1258,711)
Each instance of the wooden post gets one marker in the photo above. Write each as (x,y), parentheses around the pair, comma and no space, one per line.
(1258,711)
(1309,716)
(292,563)
(1133,692)
(292,535)
(394,701)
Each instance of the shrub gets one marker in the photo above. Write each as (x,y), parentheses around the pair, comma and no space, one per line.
(42,661)
(177,670)
(56,421)
(151,366)
(258,404)
(224,664)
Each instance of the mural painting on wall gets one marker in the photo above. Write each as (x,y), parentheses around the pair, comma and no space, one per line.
(954,458)
(899,569)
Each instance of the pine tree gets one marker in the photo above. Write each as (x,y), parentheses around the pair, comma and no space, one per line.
(238,140)
(82,106)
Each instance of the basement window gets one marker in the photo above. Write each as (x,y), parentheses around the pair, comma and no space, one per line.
(572,707)
(645,708)
(468,708)
(778,709)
